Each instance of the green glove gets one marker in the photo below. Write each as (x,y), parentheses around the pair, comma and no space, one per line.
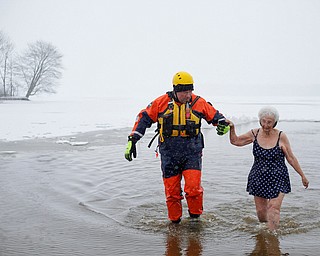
(222,127)
(131,149)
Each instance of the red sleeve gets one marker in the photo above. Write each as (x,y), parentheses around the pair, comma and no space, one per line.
(157,106)
(149,115)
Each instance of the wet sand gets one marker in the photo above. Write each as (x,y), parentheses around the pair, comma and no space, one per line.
(62,199)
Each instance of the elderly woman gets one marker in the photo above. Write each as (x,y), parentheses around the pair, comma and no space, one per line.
(268,180)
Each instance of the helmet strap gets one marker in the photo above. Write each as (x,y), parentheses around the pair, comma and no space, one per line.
(175,97)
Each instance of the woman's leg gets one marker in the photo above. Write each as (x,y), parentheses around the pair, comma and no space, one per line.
(261,208)
(268,210)
(274,206)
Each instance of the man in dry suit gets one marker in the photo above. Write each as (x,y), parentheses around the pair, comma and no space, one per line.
(179,113)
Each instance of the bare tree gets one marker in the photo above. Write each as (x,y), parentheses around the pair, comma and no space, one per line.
(6,62)
(40,67)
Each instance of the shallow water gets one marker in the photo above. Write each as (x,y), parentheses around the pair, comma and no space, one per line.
(59,199)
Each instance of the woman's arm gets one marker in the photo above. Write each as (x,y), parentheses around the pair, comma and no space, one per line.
(292,160)
(241,140)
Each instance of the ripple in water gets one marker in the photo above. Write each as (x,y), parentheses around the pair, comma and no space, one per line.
(224,219)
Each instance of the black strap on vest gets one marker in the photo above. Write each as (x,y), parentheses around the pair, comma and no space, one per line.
(154,137)
(195,100)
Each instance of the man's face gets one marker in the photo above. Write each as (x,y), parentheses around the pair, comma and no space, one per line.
(184,96)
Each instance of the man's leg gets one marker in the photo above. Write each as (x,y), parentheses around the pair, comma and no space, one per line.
(194,192)
(173,194)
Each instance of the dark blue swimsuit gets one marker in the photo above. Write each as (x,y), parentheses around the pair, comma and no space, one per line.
(269,174)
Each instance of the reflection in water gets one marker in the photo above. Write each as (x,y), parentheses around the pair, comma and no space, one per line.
(173,245)
(267,244)
(184,239)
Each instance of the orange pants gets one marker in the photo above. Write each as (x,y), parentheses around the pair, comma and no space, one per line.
(192,189)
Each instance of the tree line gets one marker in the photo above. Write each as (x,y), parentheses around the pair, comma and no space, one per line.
(36,70)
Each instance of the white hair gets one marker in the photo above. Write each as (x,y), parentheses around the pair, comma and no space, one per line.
(269,111)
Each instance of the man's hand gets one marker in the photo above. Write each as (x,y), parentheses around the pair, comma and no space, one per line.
(222,127)
(131,149)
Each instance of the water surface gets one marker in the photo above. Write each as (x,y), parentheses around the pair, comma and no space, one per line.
(59,199)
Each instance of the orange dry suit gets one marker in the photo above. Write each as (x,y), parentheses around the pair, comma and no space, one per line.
(180,146)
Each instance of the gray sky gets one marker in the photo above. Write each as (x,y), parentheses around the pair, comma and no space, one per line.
(231,47)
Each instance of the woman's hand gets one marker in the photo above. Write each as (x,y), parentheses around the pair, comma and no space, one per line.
(305,181)
(231,124)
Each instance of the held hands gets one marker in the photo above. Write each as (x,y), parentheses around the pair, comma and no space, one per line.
(222,127)
(131,149)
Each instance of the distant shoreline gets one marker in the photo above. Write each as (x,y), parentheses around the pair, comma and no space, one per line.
(14,98)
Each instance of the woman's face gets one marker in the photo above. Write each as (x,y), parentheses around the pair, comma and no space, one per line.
(267,123)
(184,96)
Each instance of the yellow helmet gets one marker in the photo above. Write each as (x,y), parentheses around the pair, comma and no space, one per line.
(182,81)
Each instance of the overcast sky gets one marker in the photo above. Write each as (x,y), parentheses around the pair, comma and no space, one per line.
(131,47)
